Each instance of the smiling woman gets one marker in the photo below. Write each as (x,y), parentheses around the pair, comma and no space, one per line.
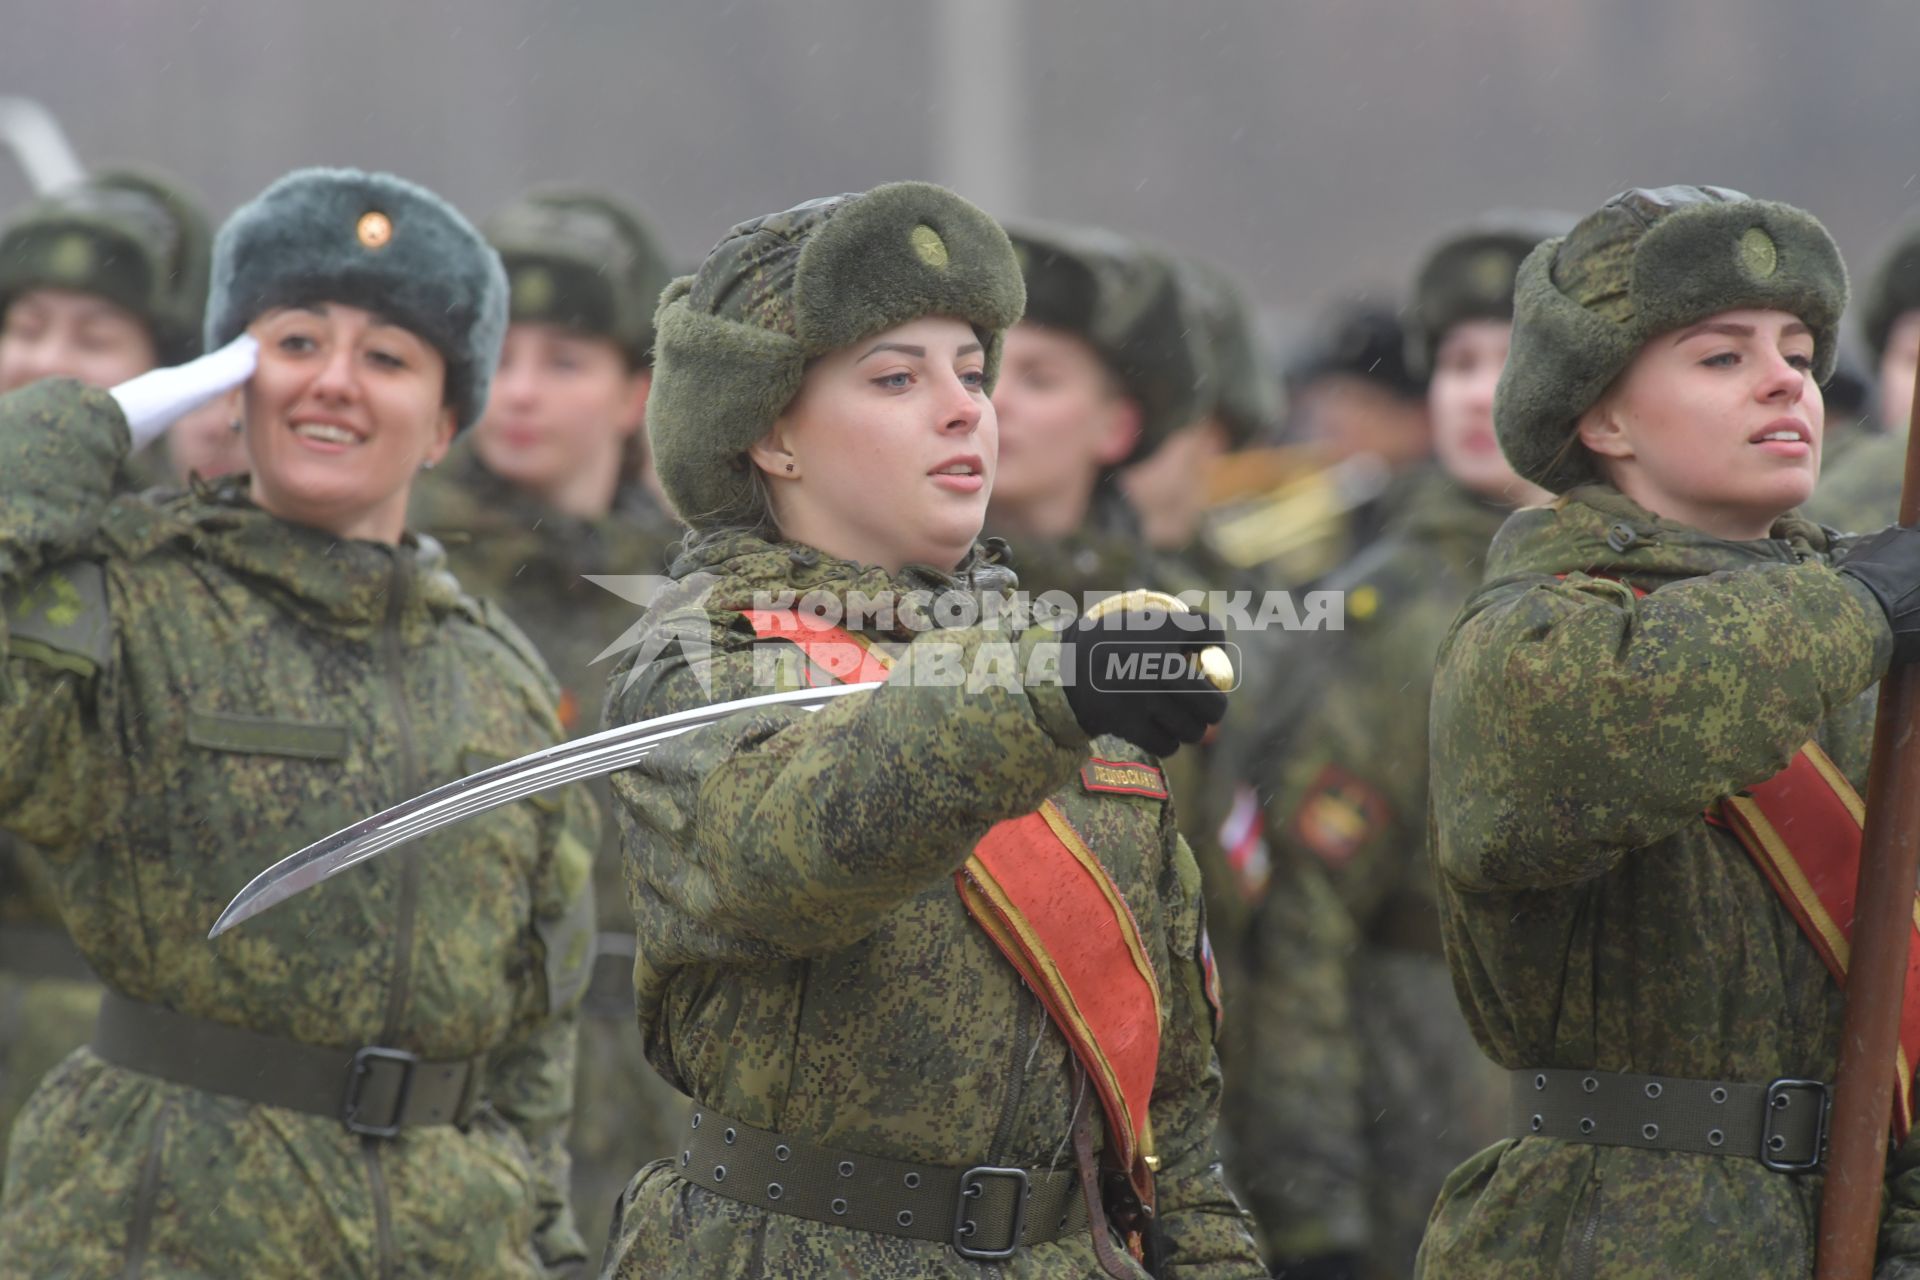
(345,407)
(378,1083)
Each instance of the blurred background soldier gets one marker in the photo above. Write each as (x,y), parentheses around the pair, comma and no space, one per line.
(1101,370)
(1169,488)
(547,492)
(1348,1123)
(1356,427)
(1862,490)
(99,281)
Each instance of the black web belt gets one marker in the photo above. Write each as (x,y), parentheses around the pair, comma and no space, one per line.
(985,1212)
(42,951)
(374,1090)
(1782,1124)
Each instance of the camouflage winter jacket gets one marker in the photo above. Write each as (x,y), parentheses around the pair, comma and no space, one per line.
(806,964)
(1594,919)
(193,690)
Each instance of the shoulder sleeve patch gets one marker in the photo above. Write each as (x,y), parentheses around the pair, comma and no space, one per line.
(61,618)
(1339,814)
(1123,777)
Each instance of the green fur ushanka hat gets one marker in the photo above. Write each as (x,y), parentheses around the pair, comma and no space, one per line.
(733,339)
(1892,291)
(1242,390)
(1647,263)
(130,238)
(1469,276)
(373,241)
(584,262)
(1126,302)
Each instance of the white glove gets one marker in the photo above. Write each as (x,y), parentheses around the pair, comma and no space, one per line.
(158,398)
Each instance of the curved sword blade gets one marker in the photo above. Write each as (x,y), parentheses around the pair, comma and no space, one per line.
(606,752)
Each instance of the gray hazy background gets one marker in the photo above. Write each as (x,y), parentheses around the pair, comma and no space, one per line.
(1314,147)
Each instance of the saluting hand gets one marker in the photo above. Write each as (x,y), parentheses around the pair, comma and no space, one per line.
(158,398)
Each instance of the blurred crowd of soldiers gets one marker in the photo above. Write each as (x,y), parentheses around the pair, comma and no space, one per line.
(1151,435)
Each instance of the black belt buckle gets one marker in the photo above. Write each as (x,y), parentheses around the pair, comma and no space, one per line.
(363,1060)
(964,1227)
(1779,1096)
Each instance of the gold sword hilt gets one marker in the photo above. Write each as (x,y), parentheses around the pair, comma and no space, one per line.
(1215,665)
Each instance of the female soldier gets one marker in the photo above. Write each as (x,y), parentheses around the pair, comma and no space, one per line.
(102,281)
(377,1083)
(1104,367)
(1654,646)
(545,491)
(822,966)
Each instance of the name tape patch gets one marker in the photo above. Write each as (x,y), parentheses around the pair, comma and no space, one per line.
(1124,777)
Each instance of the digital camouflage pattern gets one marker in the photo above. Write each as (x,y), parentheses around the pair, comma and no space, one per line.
(1593,919)
(806,964)
(42,1019)
(513,550)
(1861,492)
(1347,1122)
(194,689)
(1107,554)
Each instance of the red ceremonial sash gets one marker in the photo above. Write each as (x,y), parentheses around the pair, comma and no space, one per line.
(1042,896)
(1802,828)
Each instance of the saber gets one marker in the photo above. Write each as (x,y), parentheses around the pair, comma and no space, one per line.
(591,757)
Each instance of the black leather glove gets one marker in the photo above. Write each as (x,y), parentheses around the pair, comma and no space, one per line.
(1324,1266)
(1136,674)
(1888,564)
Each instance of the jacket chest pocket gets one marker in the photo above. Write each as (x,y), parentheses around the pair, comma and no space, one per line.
(268,779)
(268,735)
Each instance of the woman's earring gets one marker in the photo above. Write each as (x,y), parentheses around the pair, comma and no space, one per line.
(236,426)
(789,468)
(427,465)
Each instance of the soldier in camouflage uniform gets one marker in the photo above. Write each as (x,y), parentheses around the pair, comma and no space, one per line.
(1168,487)
(100,283)
(544,491)
(1355,432)
(1666,634)
(1349,1121)
(1102,369)
(807,969)
(1862,491)
(378,1079)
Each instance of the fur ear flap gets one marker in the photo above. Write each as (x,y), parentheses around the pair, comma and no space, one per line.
(1563,357)
(717,386)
